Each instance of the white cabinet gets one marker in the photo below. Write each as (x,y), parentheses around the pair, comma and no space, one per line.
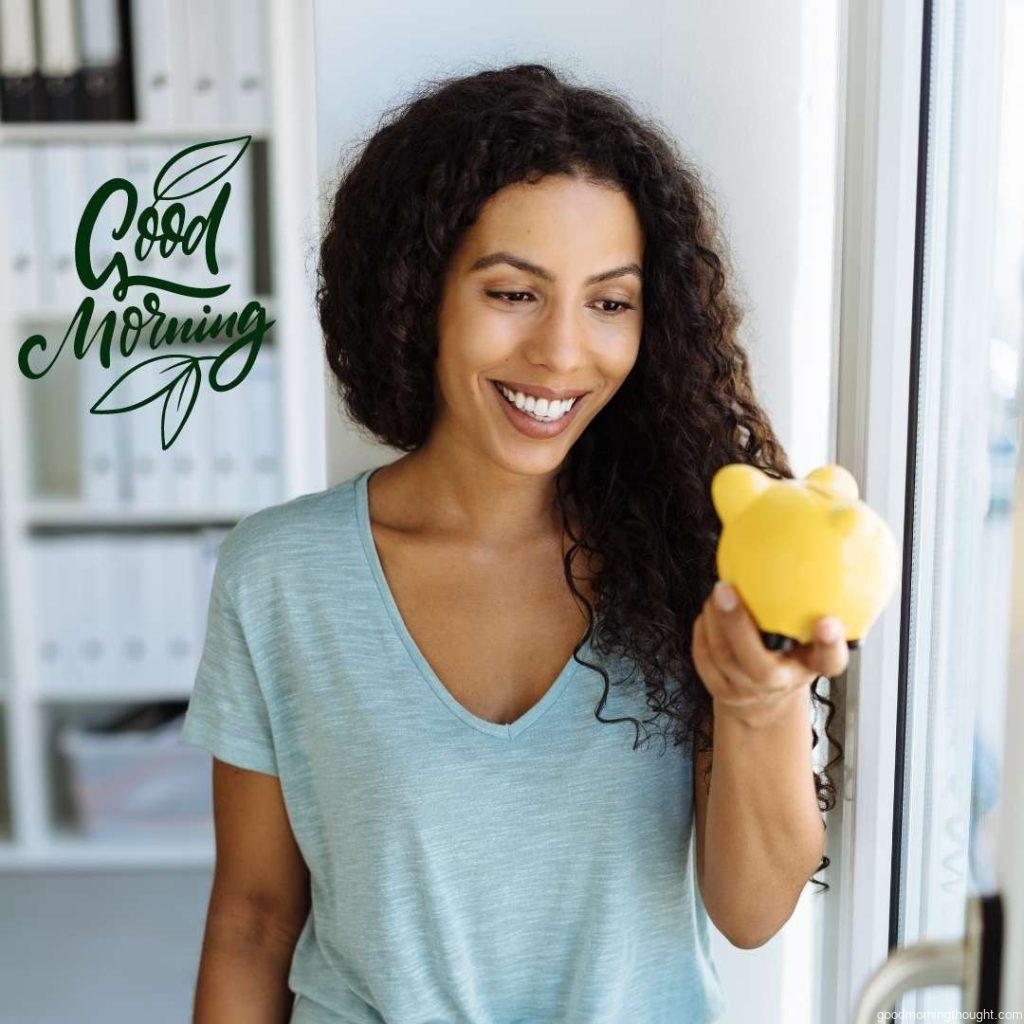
(104,533)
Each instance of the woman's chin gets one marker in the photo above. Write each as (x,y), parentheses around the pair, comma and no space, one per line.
(531,458)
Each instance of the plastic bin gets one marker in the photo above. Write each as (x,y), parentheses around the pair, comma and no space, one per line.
(139,783)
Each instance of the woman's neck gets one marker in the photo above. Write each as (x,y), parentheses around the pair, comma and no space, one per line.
(450,490)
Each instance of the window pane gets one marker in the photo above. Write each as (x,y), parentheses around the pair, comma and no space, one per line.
(968,415)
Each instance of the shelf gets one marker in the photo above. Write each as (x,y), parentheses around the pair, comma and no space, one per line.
(282,204)
(68,850)
(115,695)
(119,131)
(73,514)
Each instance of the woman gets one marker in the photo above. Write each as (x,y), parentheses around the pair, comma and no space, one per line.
(430,689)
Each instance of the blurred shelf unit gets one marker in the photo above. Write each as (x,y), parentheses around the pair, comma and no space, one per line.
(163,63)
(107,539)
(113,132)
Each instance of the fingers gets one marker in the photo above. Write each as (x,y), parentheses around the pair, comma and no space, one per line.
(733,692)
(734,637)
(717,643)
(738,670)
(704,661)
(827,654)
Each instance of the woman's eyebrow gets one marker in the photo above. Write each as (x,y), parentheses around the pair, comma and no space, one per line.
(531,268)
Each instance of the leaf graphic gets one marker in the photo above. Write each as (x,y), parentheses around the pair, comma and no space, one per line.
(233,363)
(197,167)
(181,397)
(149,378)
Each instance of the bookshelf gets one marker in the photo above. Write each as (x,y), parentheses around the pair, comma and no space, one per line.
(36,832)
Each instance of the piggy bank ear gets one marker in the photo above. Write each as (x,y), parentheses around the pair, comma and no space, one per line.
(734,486)
(834,481)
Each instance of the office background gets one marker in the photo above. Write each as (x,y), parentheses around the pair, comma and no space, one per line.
(111,930)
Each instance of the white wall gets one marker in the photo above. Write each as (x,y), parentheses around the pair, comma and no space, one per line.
(750,92)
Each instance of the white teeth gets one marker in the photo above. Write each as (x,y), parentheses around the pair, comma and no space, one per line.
(543,409)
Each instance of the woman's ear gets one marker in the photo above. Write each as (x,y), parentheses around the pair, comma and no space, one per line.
(734,486)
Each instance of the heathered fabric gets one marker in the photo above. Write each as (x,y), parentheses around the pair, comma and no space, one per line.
(462,871)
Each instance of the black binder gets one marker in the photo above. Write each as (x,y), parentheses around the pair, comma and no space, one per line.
(106,84)
(60,68)
(21,89)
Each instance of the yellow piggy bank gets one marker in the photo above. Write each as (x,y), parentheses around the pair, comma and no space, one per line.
(799,549)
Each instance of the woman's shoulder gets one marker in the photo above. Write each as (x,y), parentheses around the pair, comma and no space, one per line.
(291,536)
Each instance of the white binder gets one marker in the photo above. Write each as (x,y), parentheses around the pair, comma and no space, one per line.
(142,163)
(205,33)
(248,63)
(265,427)
(208,541)
(132,647)
(188,462)
(94,613)
(98,434)
(71,602)
(147,460)
(235,235)
(48,565)
(20,184)
(230,441)
(63,197)
(148,555)
(101,162)
(159,61)
(177,583)
(177,267)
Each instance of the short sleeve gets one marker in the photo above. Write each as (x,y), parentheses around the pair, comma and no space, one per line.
(227,713)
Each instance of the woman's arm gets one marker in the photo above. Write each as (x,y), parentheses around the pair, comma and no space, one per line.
(759,831)
(258,904)
(760,834)
(243,972)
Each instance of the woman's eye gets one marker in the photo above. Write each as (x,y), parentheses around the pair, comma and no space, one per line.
(510,298)
(505,295)
(615,302)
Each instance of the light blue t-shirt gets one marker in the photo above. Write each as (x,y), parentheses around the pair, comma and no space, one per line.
(462,871)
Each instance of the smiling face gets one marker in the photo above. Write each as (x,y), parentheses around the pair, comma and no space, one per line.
(540,320)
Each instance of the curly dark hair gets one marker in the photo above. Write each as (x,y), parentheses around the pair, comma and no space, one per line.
(637,481)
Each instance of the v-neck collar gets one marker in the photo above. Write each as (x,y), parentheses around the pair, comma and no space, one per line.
(508,730)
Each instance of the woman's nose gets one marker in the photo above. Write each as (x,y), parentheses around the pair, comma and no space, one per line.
(558,341)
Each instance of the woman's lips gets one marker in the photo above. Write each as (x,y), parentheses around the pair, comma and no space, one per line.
(527,425)
(538,391)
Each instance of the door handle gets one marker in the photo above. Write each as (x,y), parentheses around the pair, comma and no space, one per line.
(971,963)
